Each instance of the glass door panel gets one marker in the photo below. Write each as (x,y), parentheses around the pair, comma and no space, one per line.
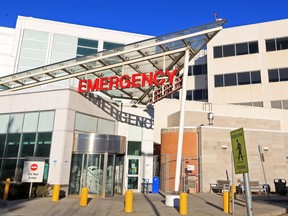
(75,174)
(95,169)
(119,166)
(133,174)
(110,175)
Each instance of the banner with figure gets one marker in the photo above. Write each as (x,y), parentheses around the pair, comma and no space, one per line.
(239,151)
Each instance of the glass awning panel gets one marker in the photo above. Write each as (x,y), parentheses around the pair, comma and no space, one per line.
(160,53)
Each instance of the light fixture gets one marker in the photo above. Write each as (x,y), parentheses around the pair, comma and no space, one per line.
(223,146)
(266,148)
(210,117)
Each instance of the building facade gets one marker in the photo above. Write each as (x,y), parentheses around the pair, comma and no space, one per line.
(245,65)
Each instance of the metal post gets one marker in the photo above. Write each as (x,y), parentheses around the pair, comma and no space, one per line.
(262,160)
(248,196)
(181,125)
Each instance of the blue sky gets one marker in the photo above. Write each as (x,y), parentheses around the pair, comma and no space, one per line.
(152,17)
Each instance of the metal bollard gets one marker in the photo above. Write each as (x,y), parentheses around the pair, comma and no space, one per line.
(129,201)
(226,201)
(56,192)
(6,190)
(84,196)
(183,203)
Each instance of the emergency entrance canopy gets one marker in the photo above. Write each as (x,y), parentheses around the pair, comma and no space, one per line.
(161,54)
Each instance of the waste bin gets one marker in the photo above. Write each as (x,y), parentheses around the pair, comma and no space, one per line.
(280,186)
(155,184)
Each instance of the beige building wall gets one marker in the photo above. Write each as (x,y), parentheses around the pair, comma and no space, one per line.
(262,61)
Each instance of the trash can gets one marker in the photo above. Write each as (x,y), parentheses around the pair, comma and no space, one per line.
(155,184)
(280,186)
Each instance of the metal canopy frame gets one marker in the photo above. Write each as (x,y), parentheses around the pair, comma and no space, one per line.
(160,53)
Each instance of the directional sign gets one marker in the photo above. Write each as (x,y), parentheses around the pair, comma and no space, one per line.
(239,151)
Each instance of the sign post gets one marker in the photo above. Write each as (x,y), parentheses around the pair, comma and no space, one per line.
(241,164)
(33,171)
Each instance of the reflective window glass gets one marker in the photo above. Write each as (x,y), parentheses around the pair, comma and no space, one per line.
(273,75)
(218,79)
(197,94)
(85,123)
(46,121)
(8,170)
(283,74)
(258,104)
(75,174)
(27,144)
(108,45)
(242,49)
(15,123)
(230,79)
(2,144)
(198,69)
(218,52)
(285,104)
(282,43)
(176,95)
(189,95)
(190,71)
(255,77)
(229,50)
(270,45)
(43,144)
(105,126)
(4,119)
(276,104)
(253,47)
(134,148)
(30,122)
(12,147)
(243,78)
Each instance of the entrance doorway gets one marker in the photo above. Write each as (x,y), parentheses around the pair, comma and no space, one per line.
(98,164)
(134,177)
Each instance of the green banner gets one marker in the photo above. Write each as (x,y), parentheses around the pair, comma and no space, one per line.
(239,151)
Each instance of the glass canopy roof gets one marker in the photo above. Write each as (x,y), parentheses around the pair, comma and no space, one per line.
(160,53)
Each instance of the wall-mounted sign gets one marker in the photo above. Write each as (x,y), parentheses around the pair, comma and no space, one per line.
(33,171)
(127,81)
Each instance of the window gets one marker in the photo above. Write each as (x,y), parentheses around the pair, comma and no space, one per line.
(276,75)
(43,144)
(281,104)
(282,43)
(277,44)
(236,49)
(229,79)
(243,78)
(283,74)
(189,95)
(134,148)
(87,47)
(228,50)
(219,82)
(28,144)
(218,52)
(253,47)
(13,141)
(199,69)
(108,45)
(255,77)
(241,49)
(273,75)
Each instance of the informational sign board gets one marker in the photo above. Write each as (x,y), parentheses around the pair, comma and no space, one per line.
(33,171)
(239,151)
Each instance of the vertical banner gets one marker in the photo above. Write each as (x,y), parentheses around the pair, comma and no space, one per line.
(239,151)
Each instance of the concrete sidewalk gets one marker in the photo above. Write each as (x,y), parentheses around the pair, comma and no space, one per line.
(201,204)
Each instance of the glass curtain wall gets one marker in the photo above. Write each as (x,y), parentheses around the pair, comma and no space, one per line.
(23,135)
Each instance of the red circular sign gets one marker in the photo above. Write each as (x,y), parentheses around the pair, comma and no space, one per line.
(34,167)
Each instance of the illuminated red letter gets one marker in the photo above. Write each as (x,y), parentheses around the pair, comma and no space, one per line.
(136,81)
(125,79)
(114,80)
(161,81)
(82,84)
(171,75)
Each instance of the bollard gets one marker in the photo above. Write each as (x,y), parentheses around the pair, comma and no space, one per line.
(56,192)
(6,190)
(129,201)
(183,203)
(233,191)
(226,201)
(84,196)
